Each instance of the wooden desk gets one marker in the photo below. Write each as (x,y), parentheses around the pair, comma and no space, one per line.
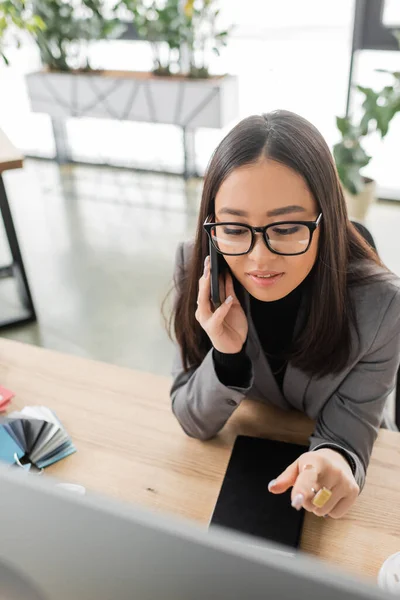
(11,158)
(131,447)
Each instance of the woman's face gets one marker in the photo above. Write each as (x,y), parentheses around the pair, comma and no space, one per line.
(261,194)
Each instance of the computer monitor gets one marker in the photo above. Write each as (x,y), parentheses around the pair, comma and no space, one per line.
(57,545)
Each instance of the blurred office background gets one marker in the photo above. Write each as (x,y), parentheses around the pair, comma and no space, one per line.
(99,241)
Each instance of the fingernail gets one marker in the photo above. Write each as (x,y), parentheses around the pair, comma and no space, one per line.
(298,501)
(206,266)
(271,484)
(229,300)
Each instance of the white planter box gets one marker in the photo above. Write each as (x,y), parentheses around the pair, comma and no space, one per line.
(136,96)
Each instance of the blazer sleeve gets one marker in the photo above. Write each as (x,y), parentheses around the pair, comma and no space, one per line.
(351,418)
(200,402)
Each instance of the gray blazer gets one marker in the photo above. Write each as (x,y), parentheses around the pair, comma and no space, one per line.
(348,407)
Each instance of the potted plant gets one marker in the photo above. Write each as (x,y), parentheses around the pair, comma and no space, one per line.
(201,35)
(351,158)
(378,109)
(189,28)
(160,24)
(170,94)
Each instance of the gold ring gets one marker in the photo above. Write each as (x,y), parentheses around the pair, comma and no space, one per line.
(322,497)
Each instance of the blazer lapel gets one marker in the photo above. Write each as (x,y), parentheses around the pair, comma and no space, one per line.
(265,386)
(295,385)
(295,382)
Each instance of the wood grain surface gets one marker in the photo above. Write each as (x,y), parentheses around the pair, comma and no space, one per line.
(131,447)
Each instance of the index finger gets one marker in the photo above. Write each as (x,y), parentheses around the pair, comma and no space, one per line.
(306,482)
(204,296)
(229,288)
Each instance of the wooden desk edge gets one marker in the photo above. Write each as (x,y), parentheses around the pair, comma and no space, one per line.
(9,165)
(10,156)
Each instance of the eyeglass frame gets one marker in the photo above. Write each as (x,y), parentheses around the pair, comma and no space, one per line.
(311,225)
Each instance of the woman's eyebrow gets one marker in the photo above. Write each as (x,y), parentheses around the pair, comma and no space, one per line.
(236,212)
(276,212)
(285,210)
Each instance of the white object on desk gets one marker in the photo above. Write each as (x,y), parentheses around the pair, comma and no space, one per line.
(73,487)
(389,575)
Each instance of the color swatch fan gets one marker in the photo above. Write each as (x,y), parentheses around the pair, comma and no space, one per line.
(34,436)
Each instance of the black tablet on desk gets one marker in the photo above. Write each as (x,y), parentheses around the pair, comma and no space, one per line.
(246,505)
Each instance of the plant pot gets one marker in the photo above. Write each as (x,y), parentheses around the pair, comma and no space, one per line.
(135,96)
(358,204)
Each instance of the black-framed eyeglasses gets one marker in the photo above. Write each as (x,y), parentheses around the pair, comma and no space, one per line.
(287,238)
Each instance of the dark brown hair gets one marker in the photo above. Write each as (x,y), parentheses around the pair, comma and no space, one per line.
(344,258)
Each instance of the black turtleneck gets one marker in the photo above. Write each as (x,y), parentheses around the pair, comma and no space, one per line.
(274,323)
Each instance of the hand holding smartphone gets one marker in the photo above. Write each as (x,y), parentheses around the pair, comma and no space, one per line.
(224,320)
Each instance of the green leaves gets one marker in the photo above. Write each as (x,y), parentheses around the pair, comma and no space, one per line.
(17,16)
(350,157)
(188,27)
(63,30)
(70,27)
(343,124)
(380,107)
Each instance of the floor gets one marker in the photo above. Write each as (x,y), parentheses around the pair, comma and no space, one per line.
(99,247)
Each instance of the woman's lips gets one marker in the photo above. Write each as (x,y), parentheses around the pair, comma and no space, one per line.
(265,279)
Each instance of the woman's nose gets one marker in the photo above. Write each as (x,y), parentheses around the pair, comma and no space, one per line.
(261,251)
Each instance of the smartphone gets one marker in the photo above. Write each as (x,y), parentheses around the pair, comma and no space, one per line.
(217,267)
(245,504)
